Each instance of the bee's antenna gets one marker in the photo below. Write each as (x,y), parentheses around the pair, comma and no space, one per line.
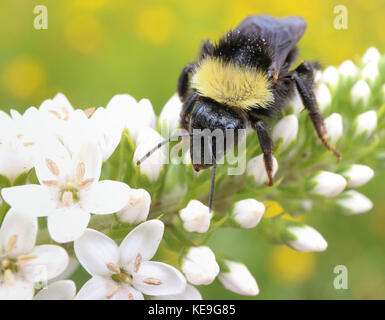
(212,188)
(160,144)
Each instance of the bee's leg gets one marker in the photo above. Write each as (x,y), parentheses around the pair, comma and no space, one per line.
(183,82)
(303,78)
(187,109)
(266,143)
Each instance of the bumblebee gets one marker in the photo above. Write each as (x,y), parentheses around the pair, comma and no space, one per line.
(243,80)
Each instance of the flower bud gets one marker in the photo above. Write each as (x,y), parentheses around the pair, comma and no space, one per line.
(256,168)
(305,239)
(323,96)
(296,103)
(360,92)
(330,76)
(199,265)
(237,278)
(146,141)
(170,115)
(334,127)
(248,213)
(347,69)
(354,202)
(371,55)
(140,116)
(196,217)
(370,72)
(357,175)
(366,123)
(328,184)
(286,129)
(137,208)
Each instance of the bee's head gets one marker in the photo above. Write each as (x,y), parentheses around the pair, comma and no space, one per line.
(215,130)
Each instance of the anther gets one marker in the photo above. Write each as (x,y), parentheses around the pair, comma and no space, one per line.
(52,166)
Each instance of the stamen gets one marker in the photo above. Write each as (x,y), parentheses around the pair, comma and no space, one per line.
(85,183)
(80,171)
(55,113)
(28,144)
(51,183)
(89,112)
(26,258)
(66,114)
(52,166)
(68,198)
(9,278)
(112,291)
(11,243)
(19,136)
(138,261)
(113,267)
(152,281)
(130,296)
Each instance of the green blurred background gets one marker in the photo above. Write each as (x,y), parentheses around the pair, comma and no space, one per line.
(94,49)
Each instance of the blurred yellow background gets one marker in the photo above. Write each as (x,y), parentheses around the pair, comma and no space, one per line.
(94,49)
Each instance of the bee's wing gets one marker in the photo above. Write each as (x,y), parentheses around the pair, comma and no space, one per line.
(281,34)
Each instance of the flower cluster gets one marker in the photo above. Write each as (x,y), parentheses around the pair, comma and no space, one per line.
(73,173)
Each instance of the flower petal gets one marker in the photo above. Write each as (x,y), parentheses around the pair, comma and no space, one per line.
(95,250)
(20,290)
(190,293)
(105,197)
(90,156)
(170,280)
(60,290)
(25,229)
(144,239)
(97,288)
(126,292)
(50,261)
(30,199)
(67,224)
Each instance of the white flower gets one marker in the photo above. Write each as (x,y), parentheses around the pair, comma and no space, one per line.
(256,168)
(190,293)
(296,103)
(199,265)
(323,96)
(357,175)
(21,139)
(360,92)
(147,140)
(69,192)
(140,117)
(330,76)
(248,212)
(354,203)
(59,290)
(348,69)
(23,264)
(328,184)
(126,272)
(371,55)
(59,107)
(238,279)
(306,239)
(107,126)
(137,208)
(370,72)
(286,129)
(72,266)
(366,123)
(334,127)
(170,116)
(196,217)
